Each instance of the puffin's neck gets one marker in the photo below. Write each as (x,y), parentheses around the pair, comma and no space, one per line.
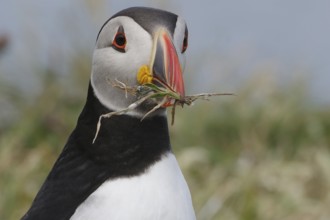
(124,141)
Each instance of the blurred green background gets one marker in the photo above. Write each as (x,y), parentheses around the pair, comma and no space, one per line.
(263,154)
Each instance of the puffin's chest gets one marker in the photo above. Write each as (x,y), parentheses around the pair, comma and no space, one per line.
(159,193)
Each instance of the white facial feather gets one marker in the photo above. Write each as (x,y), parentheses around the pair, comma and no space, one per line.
(110,64)
(179,34)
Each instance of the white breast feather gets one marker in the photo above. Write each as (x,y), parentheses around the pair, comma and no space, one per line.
(159,194)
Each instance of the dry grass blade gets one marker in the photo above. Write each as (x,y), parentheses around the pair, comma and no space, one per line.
(120,85)
(123,111)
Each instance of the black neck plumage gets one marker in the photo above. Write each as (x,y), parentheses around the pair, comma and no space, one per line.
(125,147)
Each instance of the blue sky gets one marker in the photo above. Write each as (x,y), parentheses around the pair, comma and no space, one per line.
(230,40)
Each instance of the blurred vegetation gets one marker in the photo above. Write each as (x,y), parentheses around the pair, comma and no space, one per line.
(261,155)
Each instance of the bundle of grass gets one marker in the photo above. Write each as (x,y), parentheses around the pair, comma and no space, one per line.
(155,89)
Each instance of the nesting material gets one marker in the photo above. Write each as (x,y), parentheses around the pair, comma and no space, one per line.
(151,88)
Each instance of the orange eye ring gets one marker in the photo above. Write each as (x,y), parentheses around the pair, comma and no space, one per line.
(119,42)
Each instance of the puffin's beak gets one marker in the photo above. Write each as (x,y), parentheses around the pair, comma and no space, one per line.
(166,66)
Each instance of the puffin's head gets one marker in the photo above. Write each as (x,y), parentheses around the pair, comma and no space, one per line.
(131,39)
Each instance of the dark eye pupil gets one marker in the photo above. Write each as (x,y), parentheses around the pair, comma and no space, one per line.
(185,44)
(120,40)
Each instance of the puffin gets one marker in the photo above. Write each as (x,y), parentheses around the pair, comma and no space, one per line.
(129,171)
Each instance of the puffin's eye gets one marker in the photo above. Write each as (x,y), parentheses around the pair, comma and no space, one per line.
(185,42)
(119,42)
